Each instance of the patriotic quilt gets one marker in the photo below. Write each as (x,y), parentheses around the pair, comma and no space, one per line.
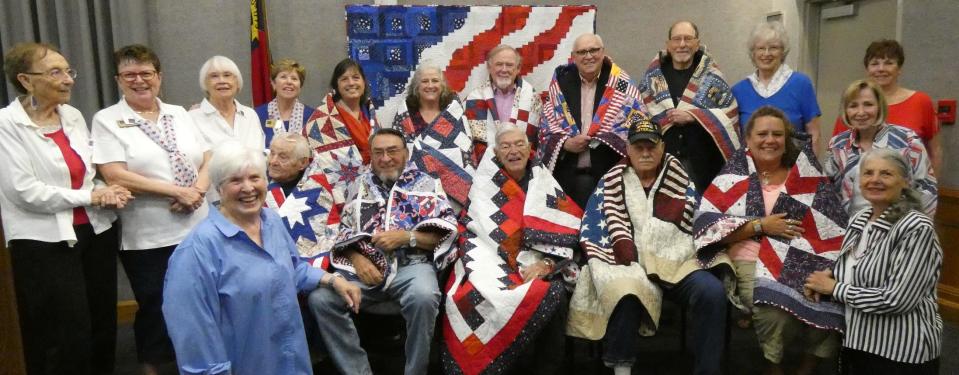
(707,97)
(491,314)
(632,241)
(390,41)
(620,98)
(735,197)
(443,148)
(416,201)
(482,115)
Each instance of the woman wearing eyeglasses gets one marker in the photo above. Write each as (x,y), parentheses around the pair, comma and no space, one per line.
(154,150)
(59,235)
(775,84)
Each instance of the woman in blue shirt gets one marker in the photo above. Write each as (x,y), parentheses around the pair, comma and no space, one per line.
(775,83)
(230,294)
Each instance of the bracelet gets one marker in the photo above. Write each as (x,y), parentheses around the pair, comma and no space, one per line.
(332,279)
(549,263)
(757,226)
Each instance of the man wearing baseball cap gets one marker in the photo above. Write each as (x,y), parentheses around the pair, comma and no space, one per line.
(637,237)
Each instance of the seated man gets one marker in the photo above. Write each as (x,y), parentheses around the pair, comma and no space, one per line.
(637,235)
(304,200)
(396,231)
(507,290)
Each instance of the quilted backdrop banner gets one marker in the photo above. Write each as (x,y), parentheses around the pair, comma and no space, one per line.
(390,41)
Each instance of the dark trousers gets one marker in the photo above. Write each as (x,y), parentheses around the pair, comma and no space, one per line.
(856,362)
(66,299)
(546,355)
(700,292)
(146,270)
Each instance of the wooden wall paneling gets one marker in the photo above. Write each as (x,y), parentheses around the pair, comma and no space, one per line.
(947,225)
(11,348)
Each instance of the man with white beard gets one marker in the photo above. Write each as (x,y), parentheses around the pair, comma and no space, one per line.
(396,232)
(504,99)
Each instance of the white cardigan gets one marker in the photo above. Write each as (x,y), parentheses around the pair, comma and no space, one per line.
(36,198)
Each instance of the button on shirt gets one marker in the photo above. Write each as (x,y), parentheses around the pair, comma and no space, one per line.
(230,305)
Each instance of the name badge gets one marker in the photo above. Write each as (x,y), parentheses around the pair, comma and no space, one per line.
(270,123)
(126,124)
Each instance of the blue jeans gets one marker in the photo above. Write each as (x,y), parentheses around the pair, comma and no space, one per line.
(416,290)
(699,291)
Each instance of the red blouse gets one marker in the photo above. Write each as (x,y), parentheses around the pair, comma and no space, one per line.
(77,170)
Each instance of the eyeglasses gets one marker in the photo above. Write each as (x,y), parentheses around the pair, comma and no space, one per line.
(683,38)
(769,49)
(589,51)
(59,74)
(132,76)
(391,152)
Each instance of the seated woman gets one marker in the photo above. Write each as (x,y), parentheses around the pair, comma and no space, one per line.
(886,276)
(506,301)
(775,214)
(437,132)
(348,111)
(865,113)
(285,113)
(230,296)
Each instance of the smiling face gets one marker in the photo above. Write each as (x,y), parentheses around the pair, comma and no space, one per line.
(883,71)
(287,84)
(512,151)
(430,86)
(53,85)
(588,55)
(242,194)
(350,85)
(389,156)
(136,88)
(881,182)
(767,140)
(503,68)
(768,55)
(645,157)
(863,111)
(221,84)
(682,45)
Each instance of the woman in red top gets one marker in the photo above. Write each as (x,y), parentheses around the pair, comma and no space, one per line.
(61,242)
(909,108)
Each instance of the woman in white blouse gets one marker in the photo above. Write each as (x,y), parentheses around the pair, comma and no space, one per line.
(221,117)
(886,275)
(61,242)
(153,149)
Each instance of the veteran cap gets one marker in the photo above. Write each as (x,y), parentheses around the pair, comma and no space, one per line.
(641,128)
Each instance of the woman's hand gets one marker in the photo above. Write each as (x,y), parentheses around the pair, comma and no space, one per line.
(349,292)
(777,225)
(187,199)
(821,282)
(536,270)
(113,196)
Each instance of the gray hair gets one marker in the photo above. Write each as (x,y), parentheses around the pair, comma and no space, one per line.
(910,199)
(586,35)
(301,146)
(220,63)
(508,128)
(501,48)
(232,157)
(768,31)
(413,90)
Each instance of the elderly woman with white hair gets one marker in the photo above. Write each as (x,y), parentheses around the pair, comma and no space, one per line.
(220,116)
(774,83)
(433,122)
(230,293)
(886,275)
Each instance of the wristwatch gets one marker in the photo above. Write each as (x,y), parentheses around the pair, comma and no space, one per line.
(412,240)
(331,279)
(757,226)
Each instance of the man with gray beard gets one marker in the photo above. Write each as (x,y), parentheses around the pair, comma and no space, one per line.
(396,232)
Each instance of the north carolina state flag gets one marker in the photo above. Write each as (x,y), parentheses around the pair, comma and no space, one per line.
(260,53)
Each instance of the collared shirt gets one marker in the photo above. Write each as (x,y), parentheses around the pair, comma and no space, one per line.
(36,198)
(148,222)
(230,305)
(587,100)
(504,102)
(245,129)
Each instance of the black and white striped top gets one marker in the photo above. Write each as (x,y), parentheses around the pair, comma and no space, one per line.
(892,288)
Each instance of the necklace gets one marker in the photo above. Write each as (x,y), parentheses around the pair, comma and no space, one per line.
(765,177)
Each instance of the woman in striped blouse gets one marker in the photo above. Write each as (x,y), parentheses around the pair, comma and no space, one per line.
(886,276)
